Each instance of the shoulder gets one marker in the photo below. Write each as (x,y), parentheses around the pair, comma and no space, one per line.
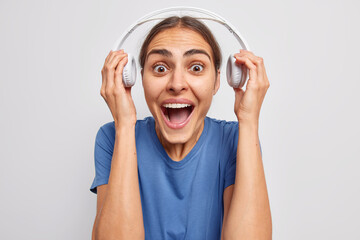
(226,132)
(147,121)
(105,132)
(226,127)
(221,122)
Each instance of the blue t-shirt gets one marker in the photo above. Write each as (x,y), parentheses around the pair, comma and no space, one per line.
(184,199)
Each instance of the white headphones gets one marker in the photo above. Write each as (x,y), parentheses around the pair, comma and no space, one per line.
(236,75)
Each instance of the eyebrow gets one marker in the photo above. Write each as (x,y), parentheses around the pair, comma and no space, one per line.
(167,53)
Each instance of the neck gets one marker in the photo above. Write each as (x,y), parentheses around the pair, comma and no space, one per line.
(178,151)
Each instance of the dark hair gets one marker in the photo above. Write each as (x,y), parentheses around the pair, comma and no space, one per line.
(183,22)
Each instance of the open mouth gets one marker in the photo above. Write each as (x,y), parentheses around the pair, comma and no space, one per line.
(177,115)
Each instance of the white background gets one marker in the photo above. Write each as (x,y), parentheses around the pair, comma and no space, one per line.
(51,55)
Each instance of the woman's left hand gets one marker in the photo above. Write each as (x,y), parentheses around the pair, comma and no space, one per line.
(247,104)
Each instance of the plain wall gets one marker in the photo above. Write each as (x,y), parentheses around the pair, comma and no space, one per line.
(51,55)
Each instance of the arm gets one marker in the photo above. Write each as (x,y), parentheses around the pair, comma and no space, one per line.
(101,193)
(120,217)
(249,215)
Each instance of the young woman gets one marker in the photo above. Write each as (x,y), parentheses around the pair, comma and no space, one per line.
(172,175)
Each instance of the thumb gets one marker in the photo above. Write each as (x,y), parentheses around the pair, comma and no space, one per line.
(128,90)
(239,93)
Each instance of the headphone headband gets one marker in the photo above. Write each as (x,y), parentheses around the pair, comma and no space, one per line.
(150,17)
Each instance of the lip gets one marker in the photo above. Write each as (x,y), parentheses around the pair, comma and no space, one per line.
(177,100)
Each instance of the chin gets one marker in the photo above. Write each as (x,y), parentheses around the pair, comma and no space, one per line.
(179,137)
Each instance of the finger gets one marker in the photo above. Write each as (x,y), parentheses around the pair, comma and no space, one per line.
(118,72)
(108,56)
(243,51)
(254,59)
(111,75)
(114,54)
(252,67)
(103,77)
(103,69)
(111,70)
(115,61)
(258,61)
(107,79)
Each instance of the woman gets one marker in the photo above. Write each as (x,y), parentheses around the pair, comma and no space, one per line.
(173,174)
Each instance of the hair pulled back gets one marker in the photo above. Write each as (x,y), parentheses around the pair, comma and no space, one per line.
(183,22)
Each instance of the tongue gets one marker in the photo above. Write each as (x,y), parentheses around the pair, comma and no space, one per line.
(178,115)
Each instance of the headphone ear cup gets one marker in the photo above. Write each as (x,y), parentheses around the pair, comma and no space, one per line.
(236,75)
(129,72)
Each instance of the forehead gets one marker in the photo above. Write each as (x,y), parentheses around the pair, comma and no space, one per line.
(179,40)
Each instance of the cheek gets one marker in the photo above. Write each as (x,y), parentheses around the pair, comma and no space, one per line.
(204,91)
(151,90)
(204,86)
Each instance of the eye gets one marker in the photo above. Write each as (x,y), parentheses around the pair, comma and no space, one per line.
(197,67)
(160,68)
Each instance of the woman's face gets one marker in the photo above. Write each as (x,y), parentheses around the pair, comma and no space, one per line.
(179,82)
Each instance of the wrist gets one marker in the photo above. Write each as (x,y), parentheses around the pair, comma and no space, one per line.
(248,121)
(249,125)
(122,127)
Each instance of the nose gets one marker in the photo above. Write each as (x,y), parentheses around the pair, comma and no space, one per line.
(177,82)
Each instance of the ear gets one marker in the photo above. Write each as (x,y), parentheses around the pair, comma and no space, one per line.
(217,82)
(142,73)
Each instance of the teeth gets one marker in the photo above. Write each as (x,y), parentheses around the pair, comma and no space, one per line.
(176,105)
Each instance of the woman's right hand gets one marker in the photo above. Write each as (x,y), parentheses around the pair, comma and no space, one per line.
(116,95)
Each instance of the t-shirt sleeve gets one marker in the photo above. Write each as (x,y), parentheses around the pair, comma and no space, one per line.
(230,170)
(102,156)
